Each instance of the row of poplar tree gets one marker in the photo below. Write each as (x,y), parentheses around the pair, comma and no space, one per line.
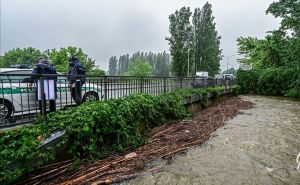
(194,42)
(158,64)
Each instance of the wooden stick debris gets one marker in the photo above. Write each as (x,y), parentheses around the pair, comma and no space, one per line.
(167,140)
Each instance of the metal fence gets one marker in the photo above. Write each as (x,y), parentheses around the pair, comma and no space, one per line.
(23,96)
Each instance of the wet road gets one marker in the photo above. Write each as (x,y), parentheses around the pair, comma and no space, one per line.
(259,146)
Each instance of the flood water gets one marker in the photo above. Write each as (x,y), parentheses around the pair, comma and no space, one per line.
(258,146)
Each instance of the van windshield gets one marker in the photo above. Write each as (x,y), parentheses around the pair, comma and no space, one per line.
(15,76)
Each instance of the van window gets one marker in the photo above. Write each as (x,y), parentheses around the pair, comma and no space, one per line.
(13,76)
(62,80)
(4,79)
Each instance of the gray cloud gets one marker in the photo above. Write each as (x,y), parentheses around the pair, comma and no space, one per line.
(115,27)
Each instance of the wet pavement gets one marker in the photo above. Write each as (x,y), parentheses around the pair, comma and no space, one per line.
(259,146)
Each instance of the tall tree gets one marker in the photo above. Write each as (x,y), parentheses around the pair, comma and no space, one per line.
(113,62)
(207,42)
(161,67)
(151,58)
(180,41)
(197,31)
(123,64)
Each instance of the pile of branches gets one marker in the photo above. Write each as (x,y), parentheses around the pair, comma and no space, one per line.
(165,142)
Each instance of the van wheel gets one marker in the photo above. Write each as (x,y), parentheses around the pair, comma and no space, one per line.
(5,109)
(90,96)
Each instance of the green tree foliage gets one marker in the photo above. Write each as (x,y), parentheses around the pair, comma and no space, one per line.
(60,58)
(207,41)
(273,51)
(151,57)
(112,68)
(289,11)
(159,62)
(139,67)
(276,58)
(123,64)
(161,67)
(27,56)
(280,47)
(248,80)
(96,71)
(180,41)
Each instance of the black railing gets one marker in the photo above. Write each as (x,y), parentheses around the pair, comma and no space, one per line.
(23,96)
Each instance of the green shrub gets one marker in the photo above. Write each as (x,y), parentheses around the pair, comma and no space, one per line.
(92,130)
(280,81)
(215,93)
(294,90)
(236,89)
(247,80)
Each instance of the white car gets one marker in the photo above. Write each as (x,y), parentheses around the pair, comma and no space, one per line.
(16,97)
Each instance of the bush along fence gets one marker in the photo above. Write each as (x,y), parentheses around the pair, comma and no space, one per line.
(94,130)
(283,81)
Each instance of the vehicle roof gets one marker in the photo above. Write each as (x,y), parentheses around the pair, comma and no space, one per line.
(3,70)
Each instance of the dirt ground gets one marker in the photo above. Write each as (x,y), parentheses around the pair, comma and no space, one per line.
(165,142)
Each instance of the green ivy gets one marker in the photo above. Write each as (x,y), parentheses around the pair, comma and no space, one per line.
(93,130)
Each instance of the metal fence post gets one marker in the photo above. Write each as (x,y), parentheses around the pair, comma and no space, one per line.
(42,93)
(105,87)
(142,85)
(181,79)
(165,84)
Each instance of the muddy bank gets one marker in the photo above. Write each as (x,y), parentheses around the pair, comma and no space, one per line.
(258,146)
(165,142)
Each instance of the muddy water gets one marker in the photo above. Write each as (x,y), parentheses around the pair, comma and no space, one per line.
(257,147)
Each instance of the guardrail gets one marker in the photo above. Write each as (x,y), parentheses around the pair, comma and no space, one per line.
(23,96)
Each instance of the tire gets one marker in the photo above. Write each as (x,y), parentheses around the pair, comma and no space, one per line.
(6,109)
(90,96)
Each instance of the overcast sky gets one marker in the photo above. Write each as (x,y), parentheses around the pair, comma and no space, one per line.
(105,28)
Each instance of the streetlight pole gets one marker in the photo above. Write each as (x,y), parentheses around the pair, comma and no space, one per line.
(228,59)
(227,63)
(188,72)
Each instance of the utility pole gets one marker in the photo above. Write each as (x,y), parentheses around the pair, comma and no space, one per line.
(227,63)
(188,72)
(195,50)
(228,59)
